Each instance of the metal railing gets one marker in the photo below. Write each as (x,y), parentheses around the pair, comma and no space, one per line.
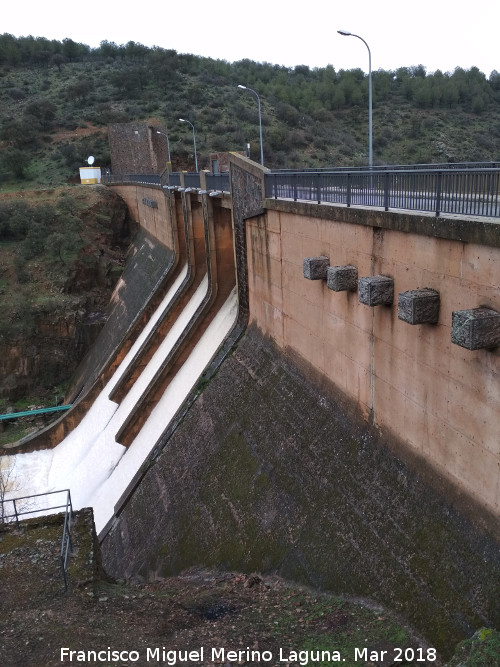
(398,167)
(218,182)
(460,191)
(191,180)
(66,546)
(174,178)
(456,188)
(146,179)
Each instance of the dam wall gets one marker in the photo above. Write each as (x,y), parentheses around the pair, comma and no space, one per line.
(154,211)
(435,401)
(328,444)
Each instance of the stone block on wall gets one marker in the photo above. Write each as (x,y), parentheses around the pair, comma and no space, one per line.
(342,278)
(419,306)
(315,268)
(376,290)
(476,329)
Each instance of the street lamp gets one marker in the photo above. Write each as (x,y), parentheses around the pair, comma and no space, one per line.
(169,164)
(345,33)
(260,121)
(183,120)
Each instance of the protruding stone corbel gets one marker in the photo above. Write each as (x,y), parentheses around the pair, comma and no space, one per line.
(376,290)
(419,306)
(315,268)
(476,329)
(342,278)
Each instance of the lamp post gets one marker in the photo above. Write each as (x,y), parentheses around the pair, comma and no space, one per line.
(183,120)
(169,163)
(345,33)
(260,121)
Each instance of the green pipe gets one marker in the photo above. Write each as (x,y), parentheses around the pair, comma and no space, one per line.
(29,413)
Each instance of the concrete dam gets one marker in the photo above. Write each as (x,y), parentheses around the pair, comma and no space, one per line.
(262,398)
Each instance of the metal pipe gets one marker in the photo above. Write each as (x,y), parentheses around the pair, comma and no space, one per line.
(183,120)
(345,33)
(260,121)
(168,149)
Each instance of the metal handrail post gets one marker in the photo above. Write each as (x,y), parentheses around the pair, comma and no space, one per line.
(63,566)
(66,542)
(68,518)
(386,190)
(438,193)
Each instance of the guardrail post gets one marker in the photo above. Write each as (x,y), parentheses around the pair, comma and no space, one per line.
(63,565)
(348,189)
(295,187)
(318,188)
(438,193)
(66,542)
(386,190)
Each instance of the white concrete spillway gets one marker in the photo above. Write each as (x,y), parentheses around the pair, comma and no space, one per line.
(89,461)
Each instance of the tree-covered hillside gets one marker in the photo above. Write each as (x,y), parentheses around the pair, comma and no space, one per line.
(62,251)
(58,98)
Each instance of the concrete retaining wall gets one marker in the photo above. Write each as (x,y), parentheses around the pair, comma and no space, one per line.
(437,399)
(150,208)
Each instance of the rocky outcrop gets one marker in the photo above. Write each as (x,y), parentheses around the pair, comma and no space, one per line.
(51,322)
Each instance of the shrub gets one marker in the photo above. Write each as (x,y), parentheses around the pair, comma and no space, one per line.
(34,243)
(14,221)
(17,94)
(16,161)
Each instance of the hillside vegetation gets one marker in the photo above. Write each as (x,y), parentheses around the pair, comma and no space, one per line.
(62,251)
(59,97)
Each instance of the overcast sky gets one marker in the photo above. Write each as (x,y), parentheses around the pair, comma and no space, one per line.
(440,34)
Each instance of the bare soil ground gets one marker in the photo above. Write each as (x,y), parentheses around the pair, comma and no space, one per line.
(283,624)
